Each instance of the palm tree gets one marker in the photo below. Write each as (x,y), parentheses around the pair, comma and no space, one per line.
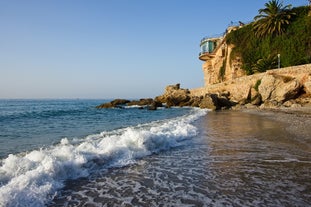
(264,64)
(273,19)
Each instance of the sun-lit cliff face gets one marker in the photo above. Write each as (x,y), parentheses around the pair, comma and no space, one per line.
(218,66)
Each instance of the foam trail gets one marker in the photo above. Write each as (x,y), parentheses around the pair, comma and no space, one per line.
(33,178)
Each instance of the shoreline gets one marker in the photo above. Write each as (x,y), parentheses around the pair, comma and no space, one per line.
(296,121)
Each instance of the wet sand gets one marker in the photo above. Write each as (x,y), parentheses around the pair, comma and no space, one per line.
(297,121)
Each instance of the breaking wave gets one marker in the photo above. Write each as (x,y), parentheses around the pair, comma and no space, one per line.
(33,178)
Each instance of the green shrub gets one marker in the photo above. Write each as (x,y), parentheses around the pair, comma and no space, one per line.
(294,46)
(256,86)
(222,71)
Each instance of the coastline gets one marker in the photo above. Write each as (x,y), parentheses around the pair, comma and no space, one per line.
(237,158)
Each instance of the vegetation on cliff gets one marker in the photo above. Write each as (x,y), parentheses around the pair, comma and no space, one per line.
(259,43)
(273,19)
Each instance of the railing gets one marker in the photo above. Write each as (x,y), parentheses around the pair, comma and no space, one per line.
(231,24)
(213,36)
(239,23)
(206,53)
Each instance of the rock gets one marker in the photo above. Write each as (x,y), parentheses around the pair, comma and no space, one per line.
(210,101)
(289,103)
(257,101)
(195,101)
(250,106)
(269,105)
(170,88)
(307,85)
(174,96)
(114,103)
(266,87)
(240,93)
(238,107)
(118,102)
(225,103)
(255,97)
(154,105)
(279,88)
(296,105)
(141,102)
(105,106)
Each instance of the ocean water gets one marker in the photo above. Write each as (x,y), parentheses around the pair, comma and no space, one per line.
(44,143)
(67,153)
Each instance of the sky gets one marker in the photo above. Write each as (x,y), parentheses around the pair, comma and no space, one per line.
(104,49)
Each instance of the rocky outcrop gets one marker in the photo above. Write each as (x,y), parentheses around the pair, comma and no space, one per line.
(288,87)
(279,88)
(176,96)
(113,104)
(140,102)
(147,103)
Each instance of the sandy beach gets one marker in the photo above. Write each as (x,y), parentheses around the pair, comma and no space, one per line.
(297,121)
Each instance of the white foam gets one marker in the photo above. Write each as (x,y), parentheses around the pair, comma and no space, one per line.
(33,178)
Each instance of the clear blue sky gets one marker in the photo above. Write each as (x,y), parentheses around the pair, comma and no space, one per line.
(109,48)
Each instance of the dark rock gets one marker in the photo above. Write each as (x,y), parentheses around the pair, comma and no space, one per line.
(105,105)
(117,103)
(225,103)
(157,103)
(152,107)
(195,101)
(141,102)
(257,100)
(210,101)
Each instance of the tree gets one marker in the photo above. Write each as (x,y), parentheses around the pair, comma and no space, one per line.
(264,64)
(273,19)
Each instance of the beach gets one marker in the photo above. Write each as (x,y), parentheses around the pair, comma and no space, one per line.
(83,156)
(297,120)
(238,158)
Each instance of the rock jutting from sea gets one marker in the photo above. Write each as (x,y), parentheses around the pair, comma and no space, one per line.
(147,103)
(287,87)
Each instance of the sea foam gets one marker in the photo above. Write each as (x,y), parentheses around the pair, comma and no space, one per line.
(33,178)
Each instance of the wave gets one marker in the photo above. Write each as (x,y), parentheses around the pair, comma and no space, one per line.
(40,114)
(33,178)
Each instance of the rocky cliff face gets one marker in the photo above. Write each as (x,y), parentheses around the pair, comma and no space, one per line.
(219,68)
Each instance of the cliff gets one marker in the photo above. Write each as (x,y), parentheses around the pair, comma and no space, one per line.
(219,67)
(216,54)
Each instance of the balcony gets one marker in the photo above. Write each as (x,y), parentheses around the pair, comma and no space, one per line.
(204,56)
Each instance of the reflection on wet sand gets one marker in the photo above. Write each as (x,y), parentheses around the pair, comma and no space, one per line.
(238,159)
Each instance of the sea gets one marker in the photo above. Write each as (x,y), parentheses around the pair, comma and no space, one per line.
(68,153)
